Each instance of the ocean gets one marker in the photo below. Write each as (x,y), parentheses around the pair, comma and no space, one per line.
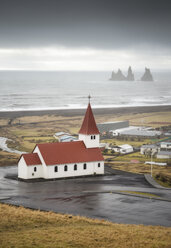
(42,90)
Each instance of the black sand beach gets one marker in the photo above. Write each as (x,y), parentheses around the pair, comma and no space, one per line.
(78,112)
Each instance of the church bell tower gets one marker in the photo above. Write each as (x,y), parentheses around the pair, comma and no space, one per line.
(89,132)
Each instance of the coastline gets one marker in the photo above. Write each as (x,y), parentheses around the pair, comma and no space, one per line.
(78,112)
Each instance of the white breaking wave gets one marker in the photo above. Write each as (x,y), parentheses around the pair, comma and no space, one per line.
(69,90)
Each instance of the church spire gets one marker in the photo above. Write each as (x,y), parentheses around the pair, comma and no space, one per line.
(89,97)
(89,125)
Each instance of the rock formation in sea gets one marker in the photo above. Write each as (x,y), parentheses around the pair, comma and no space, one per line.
(147,75)
(130,76)
(117,76)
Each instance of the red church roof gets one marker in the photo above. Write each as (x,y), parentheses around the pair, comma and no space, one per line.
(69,152)
(31,159)
(89,124)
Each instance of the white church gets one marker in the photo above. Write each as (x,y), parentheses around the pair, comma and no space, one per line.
(68,159)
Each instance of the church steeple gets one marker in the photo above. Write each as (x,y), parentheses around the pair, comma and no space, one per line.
(89,124)
(89,132)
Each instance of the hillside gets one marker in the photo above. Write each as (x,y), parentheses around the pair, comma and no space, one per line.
(20,227)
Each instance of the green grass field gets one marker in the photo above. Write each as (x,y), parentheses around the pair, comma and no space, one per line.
(27,131)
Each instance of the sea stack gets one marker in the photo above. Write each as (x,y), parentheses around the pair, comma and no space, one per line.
(130,76)
(147,75)
(117,76)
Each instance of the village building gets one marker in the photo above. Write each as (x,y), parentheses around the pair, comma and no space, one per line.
(161,150)
(64,137)
(149,148)
(164,154)
(123,149)
(67,138)
(136,131)
(104,146)
(60,134)
(165,146)
(66,159)
(107,126)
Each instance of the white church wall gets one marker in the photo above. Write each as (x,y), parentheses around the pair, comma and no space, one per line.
(34,171)
(28,172)
(91,168)
(22,169)
(89,140)
(44,167)
(99,167)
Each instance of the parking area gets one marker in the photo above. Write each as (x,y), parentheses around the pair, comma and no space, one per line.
(95,197)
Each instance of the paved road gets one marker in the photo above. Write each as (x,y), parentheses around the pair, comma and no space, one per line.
(91,197)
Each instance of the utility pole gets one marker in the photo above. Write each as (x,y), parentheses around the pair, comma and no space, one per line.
(151,164)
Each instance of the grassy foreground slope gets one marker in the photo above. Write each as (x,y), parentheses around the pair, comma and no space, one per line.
(20,227)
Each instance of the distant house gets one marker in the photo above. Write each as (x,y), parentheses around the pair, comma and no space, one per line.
(151,147)
(136,132)
(66,159)
(64,137)
(123,149)
(167,134)
(162,150)
(107,126)
(60,134)
(104,146)
(67,138)
(164,154)
(165,145)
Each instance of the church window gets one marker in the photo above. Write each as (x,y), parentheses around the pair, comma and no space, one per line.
(94,137)
(56,168)
(75,166)
(98,164)
(35,169)
(85,166)
(65,168)
(91,136)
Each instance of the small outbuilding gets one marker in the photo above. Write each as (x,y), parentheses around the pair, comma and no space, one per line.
(107,126)
(165,146)
(60,134)
(123,149)
(67,138)
(164,155)
(151,147)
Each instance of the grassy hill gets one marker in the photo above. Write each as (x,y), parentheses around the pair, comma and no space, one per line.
(20,227)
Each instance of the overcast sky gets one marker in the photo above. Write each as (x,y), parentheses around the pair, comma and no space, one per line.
(85,35)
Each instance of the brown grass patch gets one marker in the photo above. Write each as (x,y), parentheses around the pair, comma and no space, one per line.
(20,227)
(142,168)
(162,174)
(7,158)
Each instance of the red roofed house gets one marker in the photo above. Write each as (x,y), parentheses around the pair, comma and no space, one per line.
(67,159)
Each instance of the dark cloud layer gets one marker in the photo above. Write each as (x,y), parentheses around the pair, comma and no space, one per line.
(100,23)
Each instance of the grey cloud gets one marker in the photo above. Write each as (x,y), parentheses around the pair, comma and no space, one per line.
(107,24)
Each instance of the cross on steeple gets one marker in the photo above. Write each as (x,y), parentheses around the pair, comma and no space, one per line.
(89,97)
